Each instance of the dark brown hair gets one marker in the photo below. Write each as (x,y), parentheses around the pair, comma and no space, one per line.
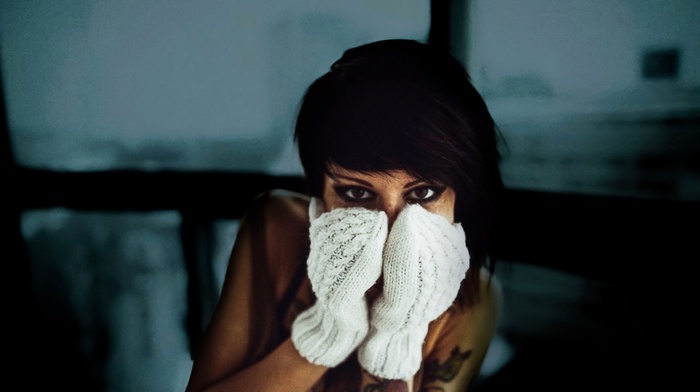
(404,105)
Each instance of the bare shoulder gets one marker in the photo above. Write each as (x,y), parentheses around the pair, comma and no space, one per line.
(285,227)
(491,293)
(284,213)
(482,316)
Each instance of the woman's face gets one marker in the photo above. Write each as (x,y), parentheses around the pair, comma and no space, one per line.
(388,191)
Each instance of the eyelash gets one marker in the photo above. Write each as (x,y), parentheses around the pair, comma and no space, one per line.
(342,192)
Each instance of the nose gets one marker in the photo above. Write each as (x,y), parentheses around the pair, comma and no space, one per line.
(392,208)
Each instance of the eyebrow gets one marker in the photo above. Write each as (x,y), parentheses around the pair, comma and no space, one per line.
(367,184)
(340,176)
(412,183)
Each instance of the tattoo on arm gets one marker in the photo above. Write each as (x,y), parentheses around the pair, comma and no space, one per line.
(447,371)
(434,371)
(382,385)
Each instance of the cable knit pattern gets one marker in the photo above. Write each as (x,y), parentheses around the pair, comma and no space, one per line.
(425,261)
(344,261)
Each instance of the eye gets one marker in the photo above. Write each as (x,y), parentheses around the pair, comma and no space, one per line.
(423,194)
(354,193)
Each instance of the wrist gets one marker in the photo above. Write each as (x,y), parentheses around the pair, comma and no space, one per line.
(327,338)
(393,355)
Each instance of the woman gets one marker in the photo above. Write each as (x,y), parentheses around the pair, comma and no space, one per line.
(380,278)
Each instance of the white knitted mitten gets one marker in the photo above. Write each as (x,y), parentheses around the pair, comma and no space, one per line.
(344,261)
(425,261)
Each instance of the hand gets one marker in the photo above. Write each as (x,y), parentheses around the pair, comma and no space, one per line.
(345,260)
(425,261)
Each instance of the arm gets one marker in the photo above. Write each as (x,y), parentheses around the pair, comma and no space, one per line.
(218,363)
(375,383)
(462,341)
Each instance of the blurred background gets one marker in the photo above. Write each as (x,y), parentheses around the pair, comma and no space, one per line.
(136,133)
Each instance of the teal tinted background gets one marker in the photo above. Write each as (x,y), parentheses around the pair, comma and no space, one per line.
(94,85)
(98,85)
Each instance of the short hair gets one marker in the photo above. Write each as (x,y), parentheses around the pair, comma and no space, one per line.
(400,104)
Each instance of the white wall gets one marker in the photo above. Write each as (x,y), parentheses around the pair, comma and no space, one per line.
(94,84)
(579,48)
(563,80)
